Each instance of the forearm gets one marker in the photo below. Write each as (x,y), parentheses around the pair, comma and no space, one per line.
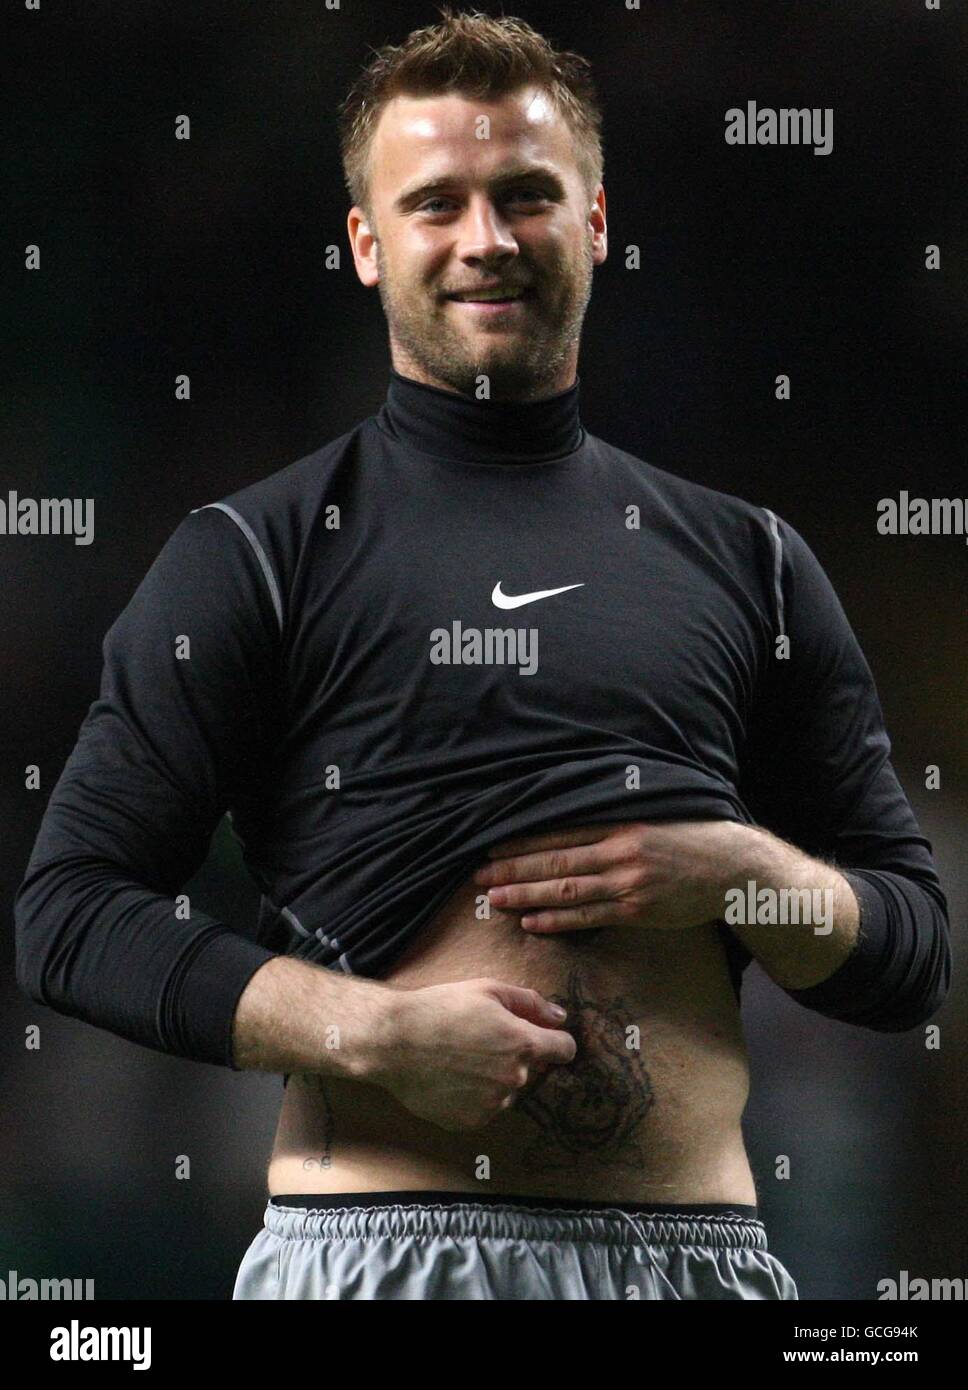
(297,1017)
(795,954)
(94,944)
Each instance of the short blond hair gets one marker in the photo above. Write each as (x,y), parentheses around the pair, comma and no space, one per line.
(474,55)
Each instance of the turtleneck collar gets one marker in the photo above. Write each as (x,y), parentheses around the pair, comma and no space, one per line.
(459,427)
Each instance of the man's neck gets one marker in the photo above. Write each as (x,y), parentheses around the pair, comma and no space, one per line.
(449,424)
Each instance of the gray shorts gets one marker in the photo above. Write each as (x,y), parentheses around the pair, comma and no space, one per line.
(442,1245)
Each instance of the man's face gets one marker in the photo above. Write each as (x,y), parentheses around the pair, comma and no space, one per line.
(457,214)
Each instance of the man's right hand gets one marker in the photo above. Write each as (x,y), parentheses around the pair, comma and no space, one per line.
(460,1053)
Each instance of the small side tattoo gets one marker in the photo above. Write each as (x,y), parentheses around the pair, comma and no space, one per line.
(316,1084)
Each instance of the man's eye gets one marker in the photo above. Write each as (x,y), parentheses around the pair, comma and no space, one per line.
(516,195)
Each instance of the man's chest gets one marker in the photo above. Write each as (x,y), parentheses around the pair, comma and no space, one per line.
(527,633)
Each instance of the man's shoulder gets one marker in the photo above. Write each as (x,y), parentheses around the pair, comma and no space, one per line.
(692,502)
(295,488)
(273,519)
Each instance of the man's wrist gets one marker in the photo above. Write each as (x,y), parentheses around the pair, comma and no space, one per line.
(379,1038)
(295,1017)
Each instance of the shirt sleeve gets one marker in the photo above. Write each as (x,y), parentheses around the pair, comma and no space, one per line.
(818,774)
(181,721)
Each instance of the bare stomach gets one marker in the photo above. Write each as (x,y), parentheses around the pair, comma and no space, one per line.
(648,1111)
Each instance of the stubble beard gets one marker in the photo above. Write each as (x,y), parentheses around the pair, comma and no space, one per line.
(519,366)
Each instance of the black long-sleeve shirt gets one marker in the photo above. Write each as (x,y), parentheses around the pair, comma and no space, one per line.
(301,655)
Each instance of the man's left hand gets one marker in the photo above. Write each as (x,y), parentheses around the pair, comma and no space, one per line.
(635,874)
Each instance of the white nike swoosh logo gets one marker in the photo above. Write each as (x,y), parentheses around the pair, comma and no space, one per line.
(518,600)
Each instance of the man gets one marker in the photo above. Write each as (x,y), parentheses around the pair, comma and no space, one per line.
(502,717)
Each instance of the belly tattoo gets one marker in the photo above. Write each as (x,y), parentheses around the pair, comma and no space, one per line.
(589,1110)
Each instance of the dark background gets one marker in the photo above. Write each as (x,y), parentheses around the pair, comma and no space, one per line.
(206,257)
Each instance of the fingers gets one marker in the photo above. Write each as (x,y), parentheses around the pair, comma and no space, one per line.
(548,1040)
(529,1004)
(549,864)
(553,1046)
(566,892)
(588,918)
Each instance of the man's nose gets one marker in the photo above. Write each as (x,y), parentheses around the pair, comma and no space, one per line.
(484,234)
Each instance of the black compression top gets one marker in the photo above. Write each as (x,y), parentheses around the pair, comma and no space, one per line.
(324,656)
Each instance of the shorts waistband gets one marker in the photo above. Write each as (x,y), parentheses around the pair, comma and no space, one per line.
(424,1216)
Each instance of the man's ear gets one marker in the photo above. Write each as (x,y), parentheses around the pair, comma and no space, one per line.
(364,245)
(599,225)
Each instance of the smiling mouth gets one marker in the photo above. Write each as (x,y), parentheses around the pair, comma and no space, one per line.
(489,297)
